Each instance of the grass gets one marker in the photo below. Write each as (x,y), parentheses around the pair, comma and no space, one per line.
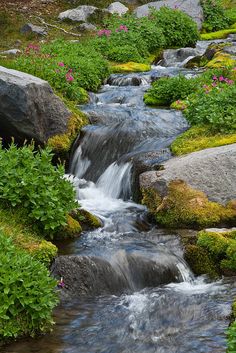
(218,34)
(198,138)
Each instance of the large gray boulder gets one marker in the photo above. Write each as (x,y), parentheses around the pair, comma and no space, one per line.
(117,8)
(212,171)
(79,14)
(28,108)
(190,7)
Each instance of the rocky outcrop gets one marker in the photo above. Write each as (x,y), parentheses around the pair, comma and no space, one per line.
(79,14)
(190,7)
(28,108)
(211,171)
(117,8)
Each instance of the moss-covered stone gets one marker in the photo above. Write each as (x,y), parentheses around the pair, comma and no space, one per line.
(219,34)
(61,144)
(184,207)
(86,219)
(130,67)
(200,261)
(72,230)
(198,138)
(179,105)
(221,246)
(221,60)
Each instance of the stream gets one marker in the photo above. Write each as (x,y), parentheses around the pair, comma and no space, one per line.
(149,300)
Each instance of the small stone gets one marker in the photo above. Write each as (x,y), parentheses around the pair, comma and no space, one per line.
(11,52)
(89,27)
(79,14)
(117,8)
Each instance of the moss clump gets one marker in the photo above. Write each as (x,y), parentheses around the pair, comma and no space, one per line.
(61,144)
(221,60)
(72,230)
(200,261)
(14,223)
(198,138)
(86,219)
(130,67)
(184,207)
(218,35)
(179,105)
(221,246)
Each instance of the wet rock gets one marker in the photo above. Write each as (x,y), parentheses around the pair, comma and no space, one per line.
(30,28)
(92,276)
(211,171)
(117,8)
(178,57)
(230,50)
(87,27)
(191,7)
(28,108)
(79,14)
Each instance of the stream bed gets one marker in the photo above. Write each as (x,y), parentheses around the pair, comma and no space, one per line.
(182,314)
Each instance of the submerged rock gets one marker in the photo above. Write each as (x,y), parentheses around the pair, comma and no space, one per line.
(190,7)
(28,108)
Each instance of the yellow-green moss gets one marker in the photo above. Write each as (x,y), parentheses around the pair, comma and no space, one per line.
(199,261)
(179,105)
(198,138)
(221,60)
(130,67)
(221,246)
(61,144)
(184,206)
(71,230)
(88,220)
(14,223)
(219,34)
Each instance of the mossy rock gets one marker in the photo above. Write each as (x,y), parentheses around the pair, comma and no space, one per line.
(199,261)
(199,138)
(185,207)
(130,67)
(179,105)
(219,34)
(221,246)
(72,229)
(221,60)
(62,143)
(86,219)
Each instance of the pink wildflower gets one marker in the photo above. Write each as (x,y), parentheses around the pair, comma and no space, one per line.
(69,77)
(214,78)
(61,64)
(221,78)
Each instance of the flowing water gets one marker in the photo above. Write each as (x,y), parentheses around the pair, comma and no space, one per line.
(143,297)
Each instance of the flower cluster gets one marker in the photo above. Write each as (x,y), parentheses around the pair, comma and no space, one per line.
(68,76)
(216,80)
(32,48)
(122,28)
(104,32)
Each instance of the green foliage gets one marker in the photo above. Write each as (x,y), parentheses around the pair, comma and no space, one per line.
(28,179)
(231,338)
(179,29)
(200,261)
(167,90)
(214,106)
(27,293)
(214,16)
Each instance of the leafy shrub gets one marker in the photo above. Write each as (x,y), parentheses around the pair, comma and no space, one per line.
(167,90)
(27,293)
(231,338)
(214,16)
(179,29)
(28,179)
(214,106)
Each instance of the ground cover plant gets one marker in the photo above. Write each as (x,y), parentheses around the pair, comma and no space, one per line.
(29,180)
(215,17)
(27,293)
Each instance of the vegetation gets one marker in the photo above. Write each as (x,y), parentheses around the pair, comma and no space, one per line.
(29,180)
(200,137)
(27,293)
(215,17)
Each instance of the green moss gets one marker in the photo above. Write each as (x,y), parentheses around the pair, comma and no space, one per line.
(184,207)
(179,105)
(130,67)
(222,248)
(218,35)
(151,199)
(14,223)
(73,229)
(87,219)
(199,261)
(198,138)
(221,60)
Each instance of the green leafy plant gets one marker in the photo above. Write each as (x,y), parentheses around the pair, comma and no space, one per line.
(27,293)
(231,338)
(215,17)
(29,180)
(167,90)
